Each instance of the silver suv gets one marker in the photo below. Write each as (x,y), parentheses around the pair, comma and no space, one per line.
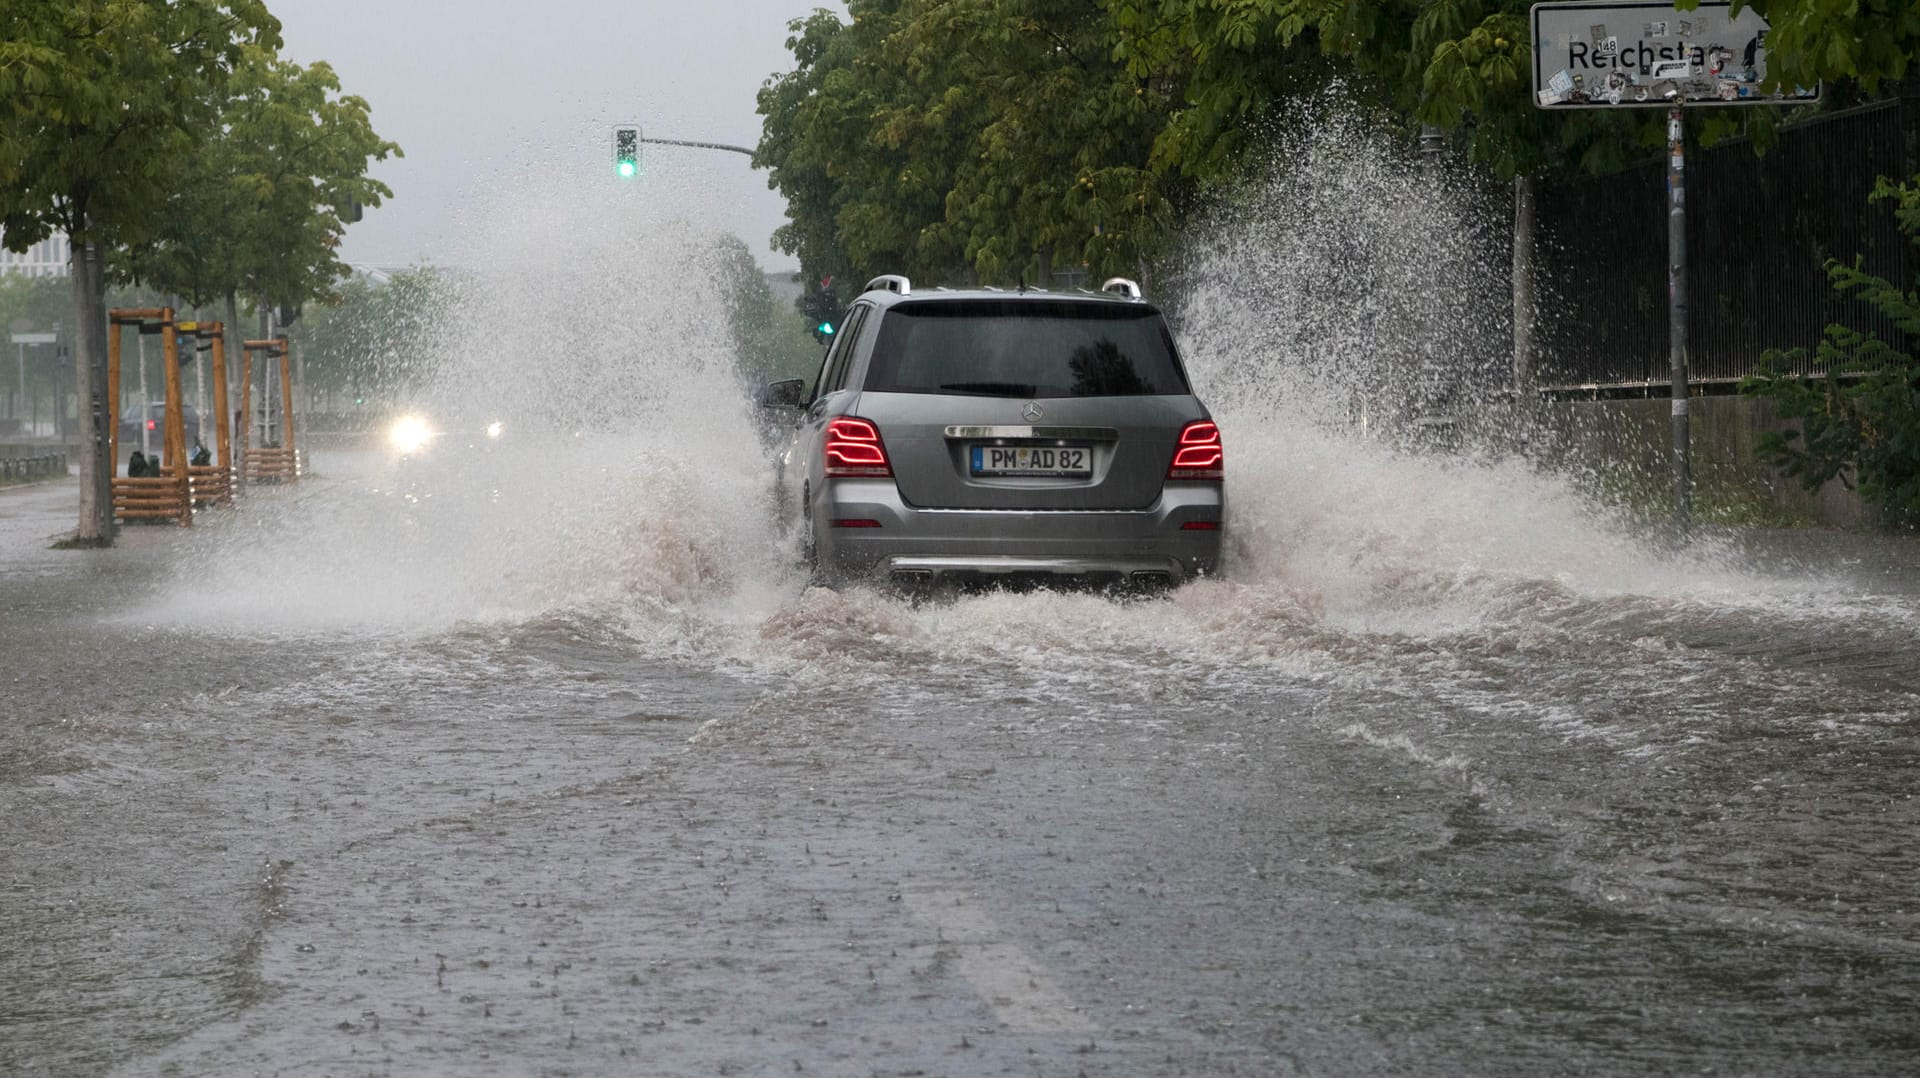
(1006,436)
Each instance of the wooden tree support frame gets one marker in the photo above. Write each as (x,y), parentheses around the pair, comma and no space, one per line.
(213,483)
(268,464)
(168,496)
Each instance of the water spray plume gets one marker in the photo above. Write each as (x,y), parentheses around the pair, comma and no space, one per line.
(1332,305)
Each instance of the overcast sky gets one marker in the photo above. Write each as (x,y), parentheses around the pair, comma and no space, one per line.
(473,91)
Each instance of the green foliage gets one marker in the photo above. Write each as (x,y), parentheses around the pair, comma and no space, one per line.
(261,211)
(101,101)
(770,339)
(1229,67)
(1858,400)
(369,337)
(996,140)
(1869,41)
(44,303)
(1005,139)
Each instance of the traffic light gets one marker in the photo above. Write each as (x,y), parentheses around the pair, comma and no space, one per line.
(823,308)
(626,152)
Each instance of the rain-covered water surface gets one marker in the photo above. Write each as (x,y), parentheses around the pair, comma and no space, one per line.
(543,759)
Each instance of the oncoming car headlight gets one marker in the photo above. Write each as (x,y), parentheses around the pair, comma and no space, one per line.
(495,429)
(409,434)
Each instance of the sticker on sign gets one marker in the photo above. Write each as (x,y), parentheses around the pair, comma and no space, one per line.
(1608,55)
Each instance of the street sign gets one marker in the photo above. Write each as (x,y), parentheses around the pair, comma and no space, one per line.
(36,338)
(1651,55)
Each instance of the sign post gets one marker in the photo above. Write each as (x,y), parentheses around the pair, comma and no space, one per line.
(22,339)
(1649,54)
(1677,311)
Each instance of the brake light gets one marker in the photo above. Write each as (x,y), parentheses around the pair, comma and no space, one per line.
(853,449)
(1199,454)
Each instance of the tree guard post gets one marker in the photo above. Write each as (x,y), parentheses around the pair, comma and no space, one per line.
(176,440)
(222,433)
(286,408)
(113,390)
(245,414)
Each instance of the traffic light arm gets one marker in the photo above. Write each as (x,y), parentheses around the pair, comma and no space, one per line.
(699,145)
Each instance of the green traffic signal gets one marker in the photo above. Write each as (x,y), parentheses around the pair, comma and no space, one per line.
(826,329)
(626,152)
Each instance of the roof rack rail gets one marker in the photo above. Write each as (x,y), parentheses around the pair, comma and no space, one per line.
(1120,286)
(891,282)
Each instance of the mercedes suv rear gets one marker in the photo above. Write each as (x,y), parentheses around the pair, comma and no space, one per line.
(1001,435)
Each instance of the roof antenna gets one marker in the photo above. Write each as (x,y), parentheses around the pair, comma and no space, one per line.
(1023,283)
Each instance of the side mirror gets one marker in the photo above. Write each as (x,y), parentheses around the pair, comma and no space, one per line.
(786,393)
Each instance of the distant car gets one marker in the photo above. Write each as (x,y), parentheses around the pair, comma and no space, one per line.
(154,418)
(414,434)
(998,435)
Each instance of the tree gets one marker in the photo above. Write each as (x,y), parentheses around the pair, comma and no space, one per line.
(101,102)
(1232,66)
(996,140)
(815,144)
(368,338)
(1810,41)
(1055,136)
(1858,401)
(267,196)
(770,339)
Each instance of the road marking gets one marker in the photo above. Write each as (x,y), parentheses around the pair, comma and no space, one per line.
(1020,992)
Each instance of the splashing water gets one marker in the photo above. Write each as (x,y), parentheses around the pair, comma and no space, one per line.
(587,321)
(1333,306)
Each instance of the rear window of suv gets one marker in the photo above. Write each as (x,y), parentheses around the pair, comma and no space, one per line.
(1024,348)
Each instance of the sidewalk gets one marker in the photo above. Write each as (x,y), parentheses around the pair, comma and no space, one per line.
(34,516)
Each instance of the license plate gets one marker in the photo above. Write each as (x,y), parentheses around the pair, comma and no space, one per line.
(1032,460)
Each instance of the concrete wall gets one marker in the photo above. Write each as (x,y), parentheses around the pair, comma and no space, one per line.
(1635,437)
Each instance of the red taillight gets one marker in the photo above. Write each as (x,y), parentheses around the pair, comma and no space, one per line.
(1199,455)
(1200,526)
(853,448)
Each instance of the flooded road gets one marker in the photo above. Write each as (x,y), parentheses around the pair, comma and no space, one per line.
(546,760)
(1385,800)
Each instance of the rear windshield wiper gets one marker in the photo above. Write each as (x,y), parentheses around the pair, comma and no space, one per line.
(998,389)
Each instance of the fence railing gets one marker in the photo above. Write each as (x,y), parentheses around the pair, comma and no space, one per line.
(41,467)
(1760,231)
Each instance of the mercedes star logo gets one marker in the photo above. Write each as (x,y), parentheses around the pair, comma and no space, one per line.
(1033,411)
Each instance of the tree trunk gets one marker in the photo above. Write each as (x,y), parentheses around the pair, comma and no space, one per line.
(88,268)
(1523,300)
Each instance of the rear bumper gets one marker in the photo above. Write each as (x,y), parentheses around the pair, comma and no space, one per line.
(898,540)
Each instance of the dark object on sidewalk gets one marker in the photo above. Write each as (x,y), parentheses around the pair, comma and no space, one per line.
(137,465)
(202,456)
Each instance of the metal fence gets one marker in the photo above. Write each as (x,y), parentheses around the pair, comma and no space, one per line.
(1760,230)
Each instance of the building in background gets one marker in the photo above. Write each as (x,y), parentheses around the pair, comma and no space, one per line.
(48,258)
